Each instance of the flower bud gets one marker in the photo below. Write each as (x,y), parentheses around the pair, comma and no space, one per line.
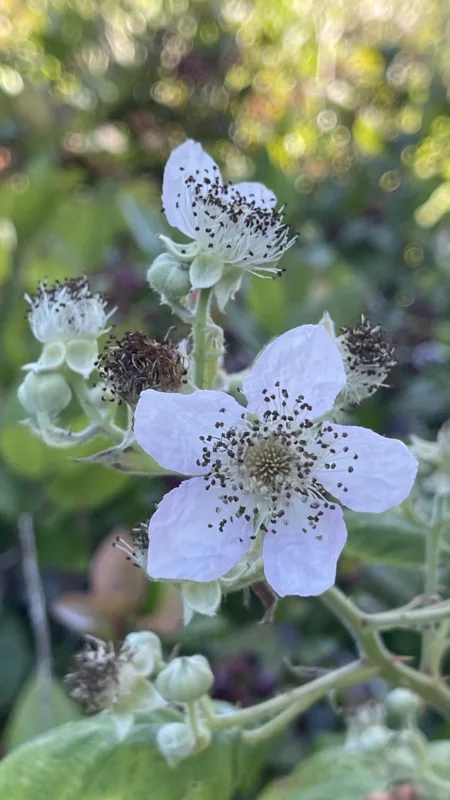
(375,739)
(402,702)
(169,277)
(145,650)
(175,741)
(185,679)
(44,393)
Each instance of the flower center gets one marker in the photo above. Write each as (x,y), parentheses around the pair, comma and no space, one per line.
(267,461)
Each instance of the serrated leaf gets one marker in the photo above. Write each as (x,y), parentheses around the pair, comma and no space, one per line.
(129,460)
(334,772)
(24,722)
(115,758)
(385,539)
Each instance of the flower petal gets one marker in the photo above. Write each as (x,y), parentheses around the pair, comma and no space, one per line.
(305,361)
(381,475)
(168,426)
(187,160)
(183,547)
(299,559)
(255,193)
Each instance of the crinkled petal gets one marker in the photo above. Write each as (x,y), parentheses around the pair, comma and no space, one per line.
(255,193)
(81,356)
(306,362)
(189,159)
(183,547)
(301,560)
(381,475)
(168,426)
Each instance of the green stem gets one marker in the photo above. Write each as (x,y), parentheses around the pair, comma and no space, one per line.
(293,701)
(93,413)
(404,618)
(433,536)
(199,337)
(373,650)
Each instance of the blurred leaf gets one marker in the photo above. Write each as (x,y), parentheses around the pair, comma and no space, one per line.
(385,538)
(138,220)
(129,460)
(86,486)
(267,301)
(81,612)
(24,721)
(115,757)
(331,773)
(25,454)
(16,658)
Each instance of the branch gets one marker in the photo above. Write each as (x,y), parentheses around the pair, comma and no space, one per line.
(38,617)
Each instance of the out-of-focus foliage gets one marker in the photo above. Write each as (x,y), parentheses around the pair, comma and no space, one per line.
(342,109)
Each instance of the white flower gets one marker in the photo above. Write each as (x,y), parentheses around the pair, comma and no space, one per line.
(367,352)
(233,228)
(435,455)
(270,471)
(68,319)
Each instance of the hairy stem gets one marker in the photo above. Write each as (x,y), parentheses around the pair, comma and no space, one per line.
(285,707)
(199,337)
(373,650)
(93,413)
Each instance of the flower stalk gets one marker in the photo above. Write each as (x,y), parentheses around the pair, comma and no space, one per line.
(199,327)
(93,413)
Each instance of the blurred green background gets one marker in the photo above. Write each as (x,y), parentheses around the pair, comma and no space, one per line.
(341,108)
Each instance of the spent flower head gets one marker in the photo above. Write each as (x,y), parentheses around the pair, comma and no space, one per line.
(137,362)
(275,472)
(368,354)
(67,318)
(232,228)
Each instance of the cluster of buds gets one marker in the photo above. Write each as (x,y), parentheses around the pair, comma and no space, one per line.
(136,678)
(434,458)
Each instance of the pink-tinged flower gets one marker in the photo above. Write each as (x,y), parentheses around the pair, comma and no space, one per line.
(230,226)
(273,471)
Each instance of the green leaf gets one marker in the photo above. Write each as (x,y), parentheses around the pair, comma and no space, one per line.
(16,661)
(267,301)
(331,773)
(134,462)
(115,757)
(24,722)
(85,486)
(385,539)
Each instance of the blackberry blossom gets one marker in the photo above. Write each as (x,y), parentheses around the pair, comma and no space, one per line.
(274,472)
(67,318)
(232,228)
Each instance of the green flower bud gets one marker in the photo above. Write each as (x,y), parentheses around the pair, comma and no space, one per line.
(185,679)
(175,741)
(44,393)
(375,739)
(169,277)
(145,651)
(403,702)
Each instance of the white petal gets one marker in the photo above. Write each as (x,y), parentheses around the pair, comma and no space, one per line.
(254,192)
(301,560)
(183,547)
(380,477)
(168,426)
(81,355)
(306,362)
(186,160)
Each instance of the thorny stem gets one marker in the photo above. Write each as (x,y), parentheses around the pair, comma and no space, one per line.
(199,337)
(92,412)
(429,658)
(374,652)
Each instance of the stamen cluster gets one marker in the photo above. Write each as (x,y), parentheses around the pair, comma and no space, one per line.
(65,311)
(368,355)
(137,362)
(95,679)
(271,461)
